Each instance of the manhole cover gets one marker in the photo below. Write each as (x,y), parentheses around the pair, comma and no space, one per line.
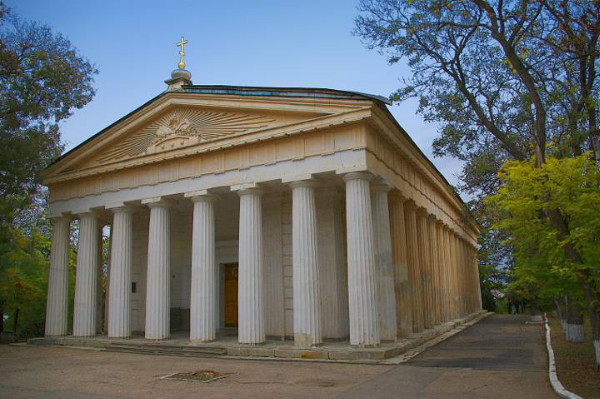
(197,376)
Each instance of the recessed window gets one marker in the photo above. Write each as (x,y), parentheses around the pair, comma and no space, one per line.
(133,287)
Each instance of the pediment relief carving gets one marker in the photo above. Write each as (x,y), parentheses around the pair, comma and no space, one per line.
(182,128)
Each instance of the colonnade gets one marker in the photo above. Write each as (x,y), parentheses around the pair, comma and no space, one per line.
(406,270)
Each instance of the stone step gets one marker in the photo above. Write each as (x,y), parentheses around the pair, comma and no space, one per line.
(157,349)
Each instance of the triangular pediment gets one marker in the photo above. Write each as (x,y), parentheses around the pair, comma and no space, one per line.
(183,127)
(173,127)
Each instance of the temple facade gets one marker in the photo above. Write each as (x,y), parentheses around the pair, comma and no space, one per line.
(288,213)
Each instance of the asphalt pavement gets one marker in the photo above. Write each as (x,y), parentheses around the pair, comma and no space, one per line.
(502,356)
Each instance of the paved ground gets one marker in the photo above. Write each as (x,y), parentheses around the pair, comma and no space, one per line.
(499,357)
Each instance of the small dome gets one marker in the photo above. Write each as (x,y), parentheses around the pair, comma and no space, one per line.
(181,74)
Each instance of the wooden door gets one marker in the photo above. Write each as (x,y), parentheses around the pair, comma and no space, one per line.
(231,294)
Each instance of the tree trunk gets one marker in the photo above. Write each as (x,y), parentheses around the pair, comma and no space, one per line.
(16,321)
(593,300)
(574,325)
(560,312)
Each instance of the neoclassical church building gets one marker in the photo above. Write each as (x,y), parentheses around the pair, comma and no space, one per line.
(277,213)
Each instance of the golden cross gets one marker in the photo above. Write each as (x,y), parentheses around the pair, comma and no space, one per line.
(182,43)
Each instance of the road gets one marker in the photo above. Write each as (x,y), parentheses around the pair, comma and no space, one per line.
(502,356)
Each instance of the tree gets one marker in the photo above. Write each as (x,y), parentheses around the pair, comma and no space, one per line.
(571,185)
(43,78)
(506,80)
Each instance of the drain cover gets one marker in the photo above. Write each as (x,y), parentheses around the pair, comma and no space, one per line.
(198,376)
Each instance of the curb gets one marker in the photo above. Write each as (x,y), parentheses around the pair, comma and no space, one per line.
(556,385)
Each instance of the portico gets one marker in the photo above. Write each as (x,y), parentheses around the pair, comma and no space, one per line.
(312,205)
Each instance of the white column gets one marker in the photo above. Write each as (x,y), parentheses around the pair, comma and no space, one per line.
(57,304)
(159,271)
(443,271)
(307,307)
(400,257)
(433,253)
(251,317)
(84,314)
(414,261)
(386,298)
(203,311)
(364,329)
(119,290)
(425,272)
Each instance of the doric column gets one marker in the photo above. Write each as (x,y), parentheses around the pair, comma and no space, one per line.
(414,265)
(425,275)
(399,251)
(203,308)
(305,271)
(459,281)
(84,313)
(57,304)
(434,283)
(455,275)
(443,271)
(251,317)
(158,281)
(384,269)
(463,279)
(478,303)
(119,291)
(364,329)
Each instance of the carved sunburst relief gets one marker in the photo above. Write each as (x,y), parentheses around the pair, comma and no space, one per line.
(182,128)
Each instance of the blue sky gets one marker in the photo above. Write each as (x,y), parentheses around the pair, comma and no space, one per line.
(248,43)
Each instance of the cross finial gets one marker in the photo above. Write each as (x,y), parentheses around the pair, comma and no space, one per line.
(182,43)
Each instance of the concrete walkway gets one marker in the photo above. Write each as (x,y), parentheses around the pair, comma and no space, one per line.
(500,357)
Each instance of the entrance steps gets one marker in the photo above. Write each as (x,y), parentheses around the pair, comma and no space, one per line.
(226,345)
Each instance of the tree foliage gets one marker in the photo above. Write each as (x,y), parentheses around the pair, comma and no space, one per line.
(571,185)
(43,78)
(505,80)
(23,284)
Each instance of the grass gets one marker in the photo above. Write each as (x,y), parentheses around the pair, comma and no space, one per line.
(575,364)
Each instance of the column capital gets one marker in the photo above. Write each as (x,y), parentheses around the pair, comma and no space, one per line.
(303,183)
(381,186)
(200,196)
(157,202)
(61,218)
(397,195)
(422,211)
(295,178)
(432,217)
(410,205)
(358,176)
(249,191)
(120,207)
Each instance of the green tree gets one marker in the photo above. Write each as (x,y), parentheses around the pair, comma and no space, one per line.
(544,270)
(24,281)
(43,78)
(506,80)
